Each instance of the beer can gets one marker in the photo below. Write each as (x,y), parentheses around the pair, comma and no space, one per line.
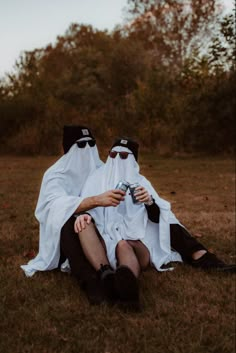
(132,188)
(122,185)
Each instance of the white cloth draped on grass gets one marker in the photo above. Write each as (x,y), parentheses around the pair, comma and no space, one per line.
(58,199)
(130,221)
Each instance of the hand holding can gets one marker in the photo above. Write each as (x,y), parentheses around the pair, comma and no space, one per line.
(132,188)
(122,185)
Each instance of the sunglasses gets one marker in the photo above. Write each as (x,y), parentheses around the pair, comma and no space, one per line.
(123,155)
(82,144)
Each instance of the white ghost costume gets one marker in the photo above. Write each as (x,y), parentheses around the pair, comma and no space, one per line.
(130,221)
(60,196)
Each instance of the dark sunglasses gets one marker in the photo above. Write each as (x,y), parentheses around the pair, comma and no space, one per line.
(123,155)
(82,144)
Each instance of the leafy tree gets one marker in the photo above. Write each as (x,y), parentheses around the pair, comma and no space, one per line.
(170,28)
(166,78)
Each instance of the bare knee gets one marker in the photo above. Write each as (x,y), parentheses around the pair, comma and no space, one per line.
(133,243)
(89,229)
(123,246)
(142,253)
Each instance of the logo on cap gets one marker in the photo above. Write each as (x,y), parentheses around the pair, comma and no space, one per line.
(124,142)
(85,132)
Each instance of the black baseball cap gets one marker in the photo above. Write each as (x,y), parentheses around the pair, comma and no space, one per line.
(128,143)
(72,133)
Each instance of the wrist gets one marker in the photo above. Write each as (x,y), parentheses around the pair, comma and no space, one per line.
(150,201)
(95,201)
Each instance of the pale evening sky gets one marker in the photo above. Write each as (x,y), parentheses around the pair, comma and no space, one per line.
(30,24)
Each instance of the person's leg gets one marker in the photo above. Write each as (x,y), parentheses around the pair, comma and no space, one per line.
(126,277)
(194,253)
(126,257)
(141,252)
(186,245)
(93,247)
(80,266)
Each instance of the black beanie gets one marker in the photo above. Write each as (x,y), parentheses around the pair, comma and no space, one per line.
(128,143)
(72,133)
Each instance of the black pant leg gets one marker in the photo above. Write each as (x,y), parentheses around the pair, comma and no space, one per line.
(183,242)
(72,250)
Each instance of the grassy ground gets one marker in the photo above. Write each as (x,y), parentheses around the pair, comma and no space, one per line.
(183,311)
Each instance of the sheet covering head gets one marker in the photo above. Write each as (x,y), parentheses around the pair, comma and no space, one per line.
(128,143)
(60,196)
(72,133)
(129,221)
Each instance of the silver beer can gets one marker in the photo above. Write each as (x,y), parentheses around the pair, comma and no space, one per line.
(122,185)
(132,188)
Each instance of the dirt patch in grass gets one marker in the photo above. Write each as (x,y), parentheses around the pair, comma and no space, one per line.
(183,311)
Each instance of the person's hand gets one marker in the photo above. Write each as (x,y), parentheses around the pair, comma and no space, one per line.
(111,198)
(142,195)
(81,222)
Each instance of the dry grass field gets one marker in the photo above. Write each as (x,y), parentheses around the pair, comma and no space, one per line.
(184,311)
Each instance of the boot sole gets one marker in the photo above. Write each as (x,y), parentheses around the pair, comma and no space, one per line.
(126,285)
(108,283)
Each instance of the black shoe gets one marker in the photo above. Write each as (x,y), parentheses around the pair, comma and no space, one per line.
(107,275)
(209,261)
(94,291)
(127,288)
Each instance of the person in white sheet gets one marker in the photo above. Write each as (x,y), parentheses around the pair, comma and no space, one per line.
(59,199)
(130,237)
(142,233)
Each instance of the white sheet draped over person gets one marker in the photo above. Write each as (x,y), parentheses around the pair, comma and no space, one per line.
(130,221)
(60,196)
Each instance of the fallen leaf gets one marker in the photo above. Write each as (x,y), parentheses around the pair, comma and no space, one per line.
(6,205)
(197,235)
(29,254)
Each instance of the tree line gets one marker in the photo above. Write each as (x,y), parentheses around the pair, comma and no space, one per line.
(165,77)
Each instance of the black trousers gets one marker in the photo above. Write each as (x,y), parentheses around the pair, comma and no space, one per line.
(181,241)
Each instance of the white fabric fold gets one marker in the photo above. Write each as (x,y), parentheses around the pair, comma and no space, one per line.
(58,199)
(128,220)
